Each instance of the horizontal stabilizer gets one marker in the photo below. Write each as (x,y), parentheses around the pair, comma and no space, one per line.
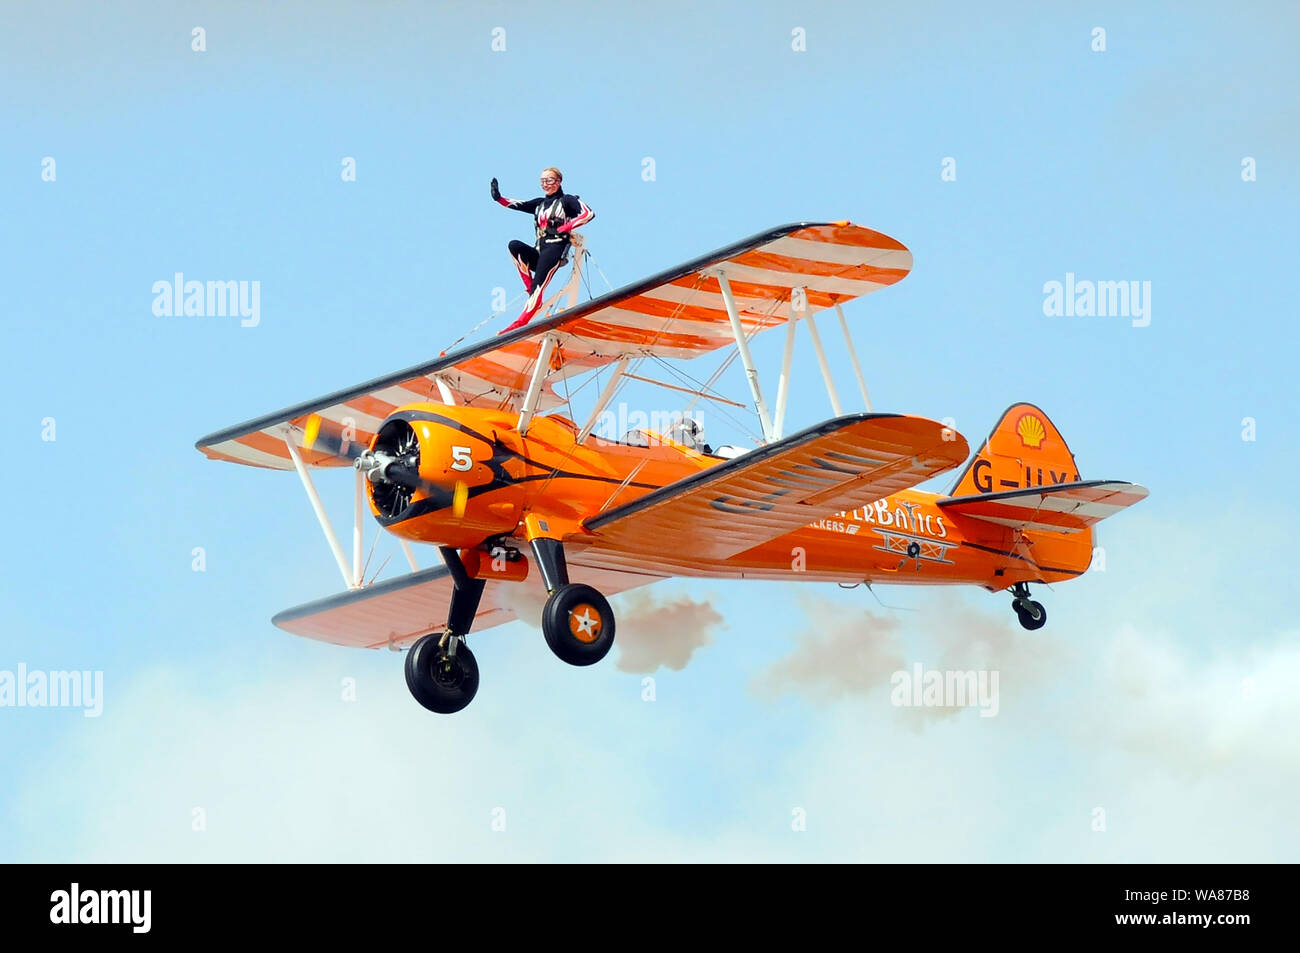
(766,493)
(1060,508)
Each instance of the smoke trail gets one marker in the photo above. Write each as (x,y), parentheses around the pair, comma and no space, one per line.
(844,651)
(654,631)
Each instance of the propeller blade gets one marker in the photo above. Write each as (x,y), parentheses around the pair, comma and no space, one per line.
(325,436)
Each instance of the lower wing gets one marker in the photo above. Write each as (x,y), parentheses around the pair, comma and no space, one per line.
(396,612)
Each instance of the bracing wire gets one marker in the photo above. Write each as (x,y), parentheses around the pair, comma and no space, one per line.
(491,317)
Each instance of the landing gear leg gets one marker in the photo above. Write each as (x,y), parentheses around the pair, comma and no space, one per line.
(550,560)
(441,671)
(1031,614)
(577,621)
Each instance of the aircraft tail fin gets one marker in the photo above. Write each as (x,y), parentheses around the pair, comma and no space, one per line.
(1025,450)
(1024,477)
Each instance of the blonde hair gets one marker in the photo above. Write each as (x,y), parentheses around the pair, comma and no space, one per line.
(558,174)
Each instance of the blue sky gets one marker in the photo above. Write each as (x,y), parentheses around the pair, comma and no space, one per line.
(225,164)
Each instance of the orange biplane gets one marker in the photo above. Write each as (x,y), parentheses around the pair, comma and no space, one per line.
(471,453)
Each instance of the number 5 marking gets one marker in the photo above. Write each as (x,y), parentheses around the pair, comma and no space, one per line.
(461,459)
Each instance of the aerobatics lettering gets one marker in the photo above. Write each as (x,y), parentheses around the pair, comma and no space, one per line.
(836,526)
(903,516)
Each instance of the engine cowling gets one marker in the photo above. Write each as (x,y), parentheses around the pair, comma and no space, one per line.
(418,464)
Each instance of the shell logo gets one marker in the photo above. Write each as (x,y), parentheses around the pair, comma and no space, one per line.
(1031,430)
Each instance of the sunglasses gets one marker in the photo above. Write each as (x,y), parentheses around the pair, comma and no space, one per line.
(549,179)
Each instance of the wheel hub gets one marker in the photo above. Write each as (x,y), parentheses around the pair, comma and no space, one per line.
(584,623)
(448,672)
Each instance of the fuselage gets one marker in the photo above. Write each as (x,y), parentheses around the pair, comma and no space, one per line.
(512,481)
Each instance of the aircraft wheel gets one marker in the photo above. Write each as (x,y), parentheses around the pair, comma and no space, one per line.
(578,624)
(1032,615)
(440,682)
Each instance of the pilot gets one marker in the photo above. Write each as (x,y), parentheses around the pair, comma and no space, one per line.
(689,433)
(556,215)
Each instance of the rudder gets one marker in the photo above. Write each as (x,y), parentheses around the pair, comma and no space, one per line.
(1024,450)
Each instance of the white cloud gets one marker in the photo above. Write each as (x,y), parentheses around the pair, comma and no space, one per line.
(1135,718)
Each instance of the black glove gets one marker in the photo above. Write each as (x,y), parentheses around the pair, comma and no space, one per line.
(496,192)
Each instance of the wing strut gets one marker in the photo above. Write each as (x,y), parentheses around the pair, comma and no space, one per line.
(821,355)
(605,397)
(853,356)
(319,509)
(783,385)
(358,528)
(410,556)
(745,357)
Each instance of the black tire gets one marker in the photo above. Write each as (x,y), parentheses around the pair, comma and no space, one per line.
(562,627)
(1031,614)
(441,683)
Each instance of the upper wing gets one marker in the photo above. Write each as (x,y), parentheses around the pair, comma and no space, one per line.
(838,465)
(398,611)
(678,313)
(1060,508)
